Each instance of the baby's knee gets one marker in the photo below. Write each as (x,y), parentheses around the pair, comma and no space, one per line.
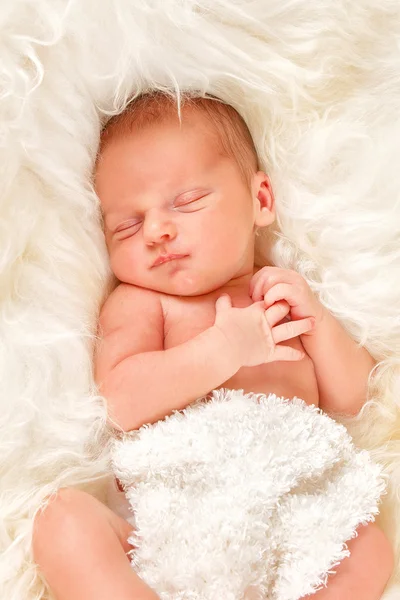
(55,525)
(384,552)
(377,555)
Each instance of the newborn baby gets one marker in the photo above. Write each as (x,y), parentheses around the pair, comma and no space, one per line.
(182,202)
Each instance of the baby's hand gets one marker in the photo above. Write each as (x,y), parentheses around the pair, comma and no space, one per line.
(253,333)
(274,284)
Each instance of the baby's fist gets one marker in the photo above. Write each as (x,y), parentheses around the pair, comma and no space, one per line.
(272,284)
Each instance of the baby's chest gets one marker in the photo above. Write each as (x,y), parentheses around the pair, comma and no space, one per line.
(184,318)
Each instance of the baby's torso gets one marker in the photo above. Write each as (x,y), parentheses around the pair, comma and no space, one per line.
(186,317)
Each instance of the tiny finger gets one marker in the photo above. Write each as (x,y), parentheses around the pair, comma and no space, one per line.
(223,302)
(259,289)
(253,282)
(288,353)
(292,329)
(262,281)
(281,291)
(277,312)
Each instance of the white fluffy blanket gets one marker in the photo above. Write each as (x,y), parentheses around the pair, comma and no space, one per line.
(319,85)
(249,494)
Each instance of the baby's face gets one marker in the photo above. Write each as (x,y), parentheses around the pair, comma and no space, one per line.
(178,217)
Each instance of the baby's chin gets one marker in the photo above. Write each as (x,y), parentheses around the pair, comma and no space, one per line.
(186,285)
(188,288)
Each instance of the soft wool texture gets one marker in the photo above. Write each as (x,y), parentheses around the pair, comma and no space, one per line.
(319,86)
(250,494)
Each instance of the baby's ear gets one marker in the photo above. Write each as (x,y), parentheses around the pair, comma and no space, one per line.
(264,201)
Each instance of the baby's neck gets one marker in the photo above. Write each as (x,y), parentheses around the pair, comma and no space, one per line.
(241,281)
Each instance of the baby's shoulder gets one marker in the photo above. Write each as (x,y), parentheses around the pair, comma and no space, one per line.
(126,304)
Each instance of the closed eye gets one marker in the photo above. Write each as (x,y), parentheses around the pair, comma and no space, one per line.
(128,229)
(191,204)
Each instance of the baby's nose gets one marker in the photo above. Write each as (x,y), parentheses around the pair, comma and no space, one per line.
(157,227)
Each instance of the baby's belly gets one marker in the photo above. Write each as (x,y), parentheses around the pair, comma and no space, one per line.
(283,378)
(263,380)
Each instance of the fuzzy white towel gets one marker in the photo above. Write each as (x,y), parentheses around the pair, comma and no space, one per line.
(244,496)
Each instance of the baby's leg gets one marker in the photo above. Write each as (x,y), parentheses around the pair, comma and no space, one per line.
(364,574)
(80,547)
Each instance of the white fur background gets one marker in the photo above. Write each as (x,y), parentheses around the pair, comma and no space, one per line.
(318,83)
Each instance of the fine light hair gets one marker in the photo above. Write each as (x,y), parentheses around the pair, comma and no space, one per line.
(149,109)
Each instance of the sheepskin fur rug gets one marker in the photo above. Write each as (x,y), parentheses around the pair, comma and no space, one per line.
(319,85)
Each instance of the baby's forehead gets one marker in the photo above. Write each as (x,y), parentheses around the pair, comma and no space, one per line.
(192,141)
(220,129)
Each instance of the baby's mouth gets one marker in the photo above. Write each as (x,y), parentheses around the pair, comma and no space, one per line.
(163,258)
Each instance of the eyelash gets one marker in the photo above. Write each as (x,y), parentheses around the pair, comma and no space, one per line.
(191,201)
(128,228)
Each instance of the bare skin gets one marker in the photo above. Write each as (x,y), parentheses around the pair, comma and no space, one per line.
(187,317)
(181,196)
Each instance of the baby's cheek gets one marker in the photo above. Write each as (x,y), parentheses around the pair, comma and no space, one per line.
(116,267)
(122,261)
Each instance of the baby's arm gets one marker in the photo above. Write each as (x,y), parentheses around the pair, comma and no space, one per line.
(141,381)
(341,366)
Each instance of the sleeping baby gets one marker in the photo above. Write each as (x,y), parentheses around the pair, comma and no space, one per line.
(182,198)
